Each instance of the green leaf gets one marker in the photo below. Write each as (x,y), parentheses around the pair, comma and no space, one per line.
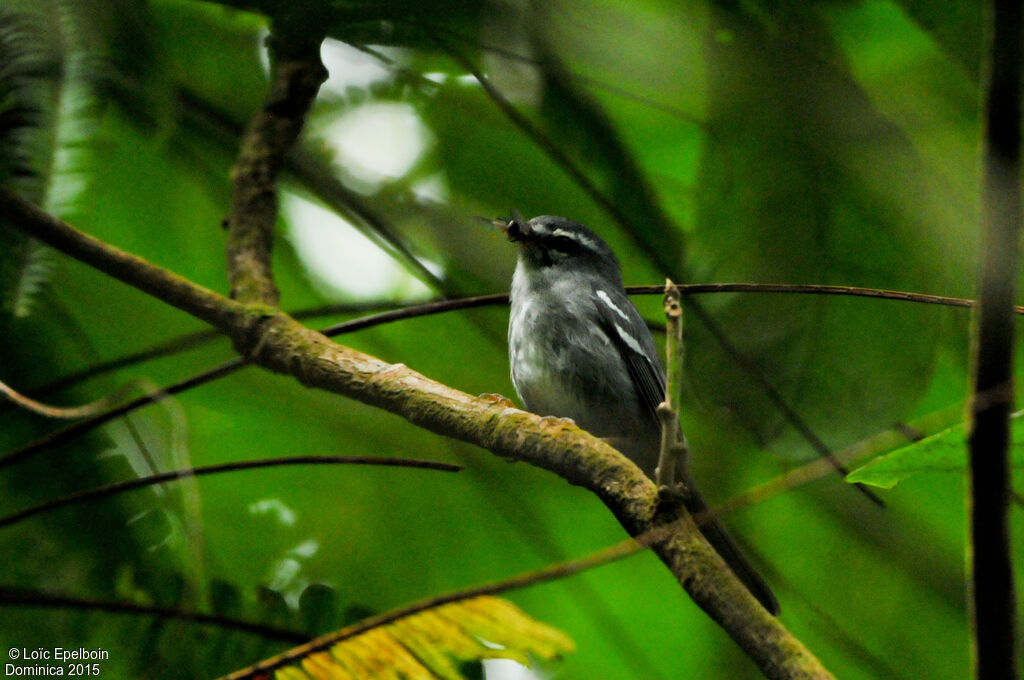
(944,451)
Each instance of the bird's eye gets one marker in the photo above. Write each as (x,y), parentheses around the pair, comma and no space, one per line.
(564,244)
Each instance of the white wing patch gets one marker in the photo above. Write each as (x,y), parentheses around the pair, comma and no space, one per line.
(624,334)
(629,340)
(605,298)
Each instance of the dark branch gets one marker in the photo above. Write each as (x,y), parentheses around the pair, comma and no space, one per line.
(19,597)
(397,312)
(993,596)
(189,341)
(188,473)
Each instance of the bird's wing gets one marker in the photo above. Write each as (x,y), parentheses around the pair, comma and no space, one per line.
(629,335)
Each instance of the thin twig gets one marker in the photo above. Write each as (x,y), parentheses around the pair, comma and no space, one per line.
(188,473)
(811,289)
(787,411)
(227,368)
(414,311)
(77,429)
(20,597)
(673,454)
(65,412)
(441,306)
(396,312)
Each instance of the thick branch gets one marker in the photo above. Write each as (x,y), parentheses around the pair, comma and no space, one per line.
(297,76)
(281,344)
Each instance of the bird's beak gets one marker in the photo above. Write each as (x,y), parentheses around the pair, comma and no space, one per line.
(515,227)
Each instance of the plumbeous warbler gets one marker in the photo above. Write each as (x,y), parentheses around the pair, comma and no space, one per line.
(579,349)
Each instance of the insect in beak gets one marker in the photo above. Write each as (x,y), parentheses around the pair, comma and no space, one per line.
(514,227)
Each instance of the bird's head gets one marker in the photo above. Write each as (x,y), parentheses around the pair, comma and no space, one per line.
(559,244)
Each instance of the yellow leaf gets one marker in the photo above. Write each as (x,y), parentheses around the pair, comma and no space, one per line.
(426,645)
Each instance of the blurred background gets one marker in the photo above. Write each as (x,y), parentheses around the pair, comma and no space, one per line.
(796,142)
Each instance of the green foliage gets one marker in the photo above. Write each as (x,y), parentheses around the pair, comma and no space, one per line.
(803,142)
(944,451)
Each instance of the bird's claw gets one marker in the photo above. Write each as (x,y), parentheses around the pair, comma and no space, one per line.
(498,399)
(558,419)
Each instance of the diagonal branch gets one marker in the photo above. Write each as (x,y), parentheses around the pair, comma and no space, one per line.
(189,341)
(613,553)
(279,343)
(200,302)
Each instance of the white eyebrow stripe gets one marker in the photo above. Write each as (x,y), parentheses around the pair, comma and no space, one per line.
(575,236)
(605,298)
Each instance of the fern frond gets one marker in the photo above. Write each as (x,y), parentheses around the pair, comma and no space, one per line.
(27,64)
(427,645)
(36,269)
(51,74)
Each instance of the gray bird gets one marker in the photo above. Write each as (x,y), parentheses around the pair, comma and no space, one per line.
(579,349)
